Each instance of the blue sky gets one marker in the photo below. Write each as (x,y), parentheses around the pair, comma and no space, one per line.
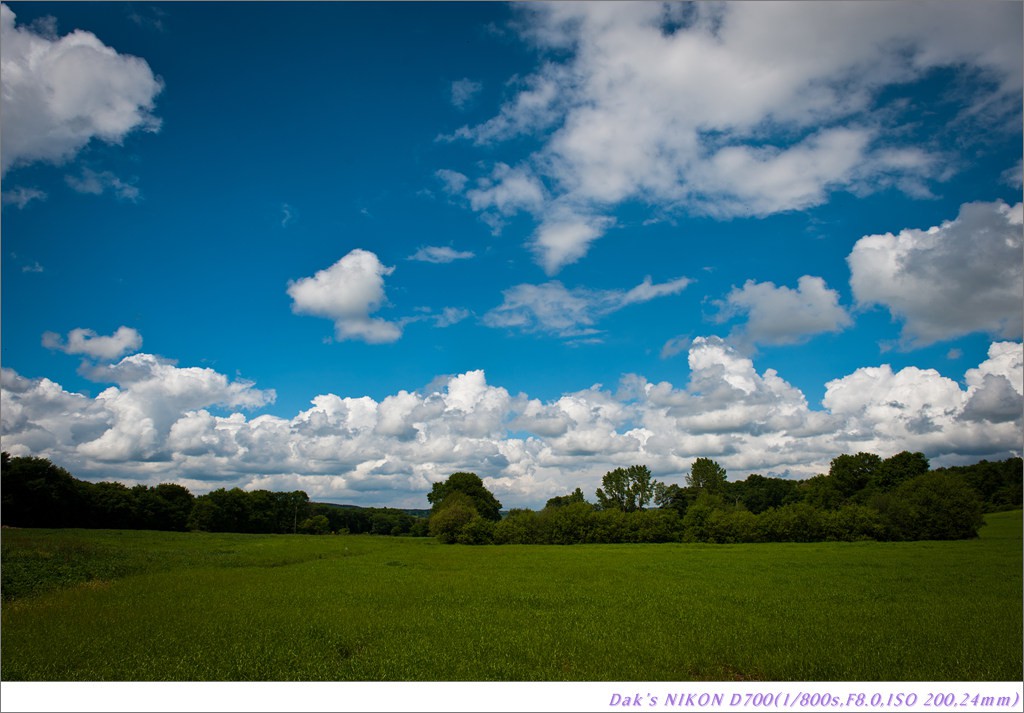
(354,247)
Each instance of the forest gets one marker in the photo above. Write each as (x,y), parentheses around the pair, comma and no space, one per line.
(862,497)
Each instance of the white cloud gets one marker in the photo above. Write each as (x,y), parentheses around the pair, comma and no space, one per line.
(1014,176)
(735,109)
(564,238)
(440,254)
(22,196)
(96,183)
(127,423)
(549,308)
(454,182)
(553,308)
(930,413)
(463,91)
(996,387)
(450,316)
(348,292)
(59,93)
(158,423)
(963,276)
(781,315)
(87,342)
(676,345)
(505,192)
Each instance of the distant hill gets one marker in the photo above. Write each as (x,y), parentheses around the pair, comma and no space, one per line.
(415,512)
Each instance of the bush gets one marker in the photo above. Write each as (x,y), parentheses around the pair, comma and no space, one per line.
(447,522)
(568,525)
(853,522)
(654,526)
(934,506)
(519,527)
(729,526)
(798,522)
(477,531)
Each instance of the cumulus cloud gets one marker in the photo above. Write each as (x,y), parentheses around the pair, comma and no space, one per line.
(732,109)
(348,292)
(440,254)
(554,309)
(59,93)
(949,280)
(781,315)
(87,342)
(160,422)
(996,386)
(128,422)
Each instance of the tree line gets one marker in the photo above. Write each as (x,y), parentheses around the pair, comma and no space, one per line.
(37,493)
(862,497)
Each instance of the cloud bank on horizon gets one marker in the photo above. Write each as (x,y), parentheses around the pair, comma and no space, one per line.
(817,203)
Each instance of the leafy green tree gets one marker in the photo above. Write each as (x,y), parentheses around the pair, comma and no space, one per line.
(933,506)
(164,507)
(707,476)
(853,522)
(37,493)
(568,525)
(822,492)
(112,505)
(697,523)
(558,501)
(455,512)
(999,484)
(316,525)
(478,531)
(469,484)
(674,497)
(897,469)
(519,527)
(729,526)
(797,522)
(626,489)
(662,525)
(851,474)
(758,493)
(221,510)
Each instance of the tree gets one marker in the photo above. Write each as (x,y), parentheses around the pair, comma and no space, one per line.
(898,469)
(470,484)
(675,498)
(759,493)
(316,525)
(707,476)
(37,493)
(934,506)
(456,511)
(626,489)
(822,492)
(559,501)
(519,527)
(851,474)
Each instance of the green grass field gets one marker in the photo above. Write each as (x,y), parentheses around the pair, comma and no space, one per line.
(143,606)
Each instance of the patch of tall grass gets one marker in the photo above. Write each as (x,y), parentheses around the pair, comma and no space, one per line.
(190,606)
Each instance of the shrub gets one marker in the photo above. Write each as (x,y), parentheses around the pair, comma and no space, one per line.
(934,506)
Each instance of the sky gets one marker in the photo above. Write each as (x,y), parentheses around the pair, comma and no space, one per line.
(352,248)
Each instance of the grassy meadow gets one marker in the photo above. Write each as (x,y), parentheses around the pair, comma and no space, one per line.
(144,606)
